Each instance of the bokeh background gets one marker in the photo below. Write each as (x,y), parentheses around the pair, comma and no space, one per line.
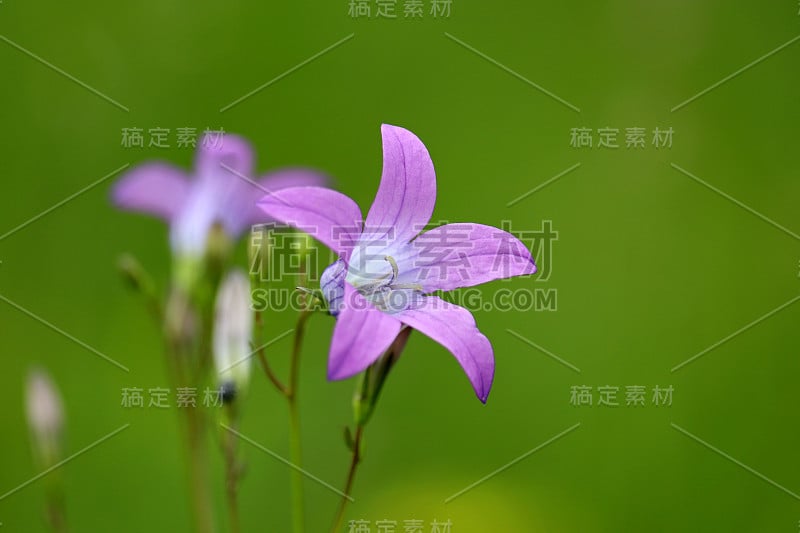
(650,266)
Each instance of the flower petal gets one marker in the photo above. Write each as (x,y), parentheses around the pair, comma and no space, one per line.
(329,216)
(275,181)
(463,255)
(331,283)
(407,193)
(155,188)
(454,328)
(220,154)
(361,335)
(222,193)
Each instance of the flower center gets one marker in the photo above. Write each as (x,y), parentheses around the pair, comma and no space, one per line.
(383,292)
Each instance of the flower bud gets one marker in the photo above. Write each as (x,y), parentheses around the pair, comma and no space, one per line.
(45,415)
(132,272)
(374,377)
(233,330)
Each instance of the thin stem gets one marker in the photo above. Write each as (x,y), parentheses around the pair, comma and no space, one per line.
(372,381)
(295,446)
(56,508)
(294,370)
(232,472)
(351,476)
(270,374)
(198,471)
(200,464)
(262,357)
(179,346)
(296,456)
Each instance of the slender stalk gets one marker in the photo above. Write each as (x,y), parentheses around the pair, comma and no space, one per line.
(294,370)
(296,457)
(197,461)
(364,402)
(232,472)
(179,347)
(289,391)
(198,472)
(351,476)
(295,446)
(56,508)
(270,374)
(56,518)
(200,463)
(262,357)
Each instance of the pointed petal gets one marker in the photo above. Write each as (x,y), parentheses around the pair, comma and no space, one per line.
(407,193)
(275,181)
(155,188)
(362,334)
(329,216)
(454,328)
(464,255)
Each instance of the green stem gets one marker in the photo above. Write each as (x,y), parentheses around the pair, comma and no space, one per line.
(56,508)
(232,475)
(262,357)
(296,456)
(351,476)
(295,446)
(366,397)
(179,347)
(198,473)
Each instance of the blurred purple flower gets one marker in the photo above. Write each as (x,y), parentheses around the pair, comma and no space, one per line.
(387,268)
(220,191)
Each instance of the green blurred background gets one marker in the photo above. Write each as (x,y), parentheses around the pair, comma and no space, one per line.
(650,266)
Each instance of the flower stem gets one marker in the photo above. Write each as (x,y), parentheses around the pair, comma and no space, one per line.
(262,356)
(56,509)
(198,472)
(295,454)
(295,446)
(351,476)
(180,337)
(232,472)
(364,402)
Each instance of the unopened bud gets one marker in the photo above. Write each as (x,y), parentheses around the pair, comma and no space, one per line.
(374,377)
(45,414)
(233,330)
(132,272)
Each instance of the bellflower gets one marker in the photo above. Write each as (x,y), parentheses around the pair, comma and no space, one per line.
(221,192)
(387,268)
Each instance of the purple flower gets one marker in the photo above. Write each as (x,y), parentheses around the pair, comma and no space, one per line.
(221,191)
(387,268)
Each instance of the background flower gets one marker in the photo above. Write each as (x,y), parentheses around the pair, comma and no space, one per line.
(220,190)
